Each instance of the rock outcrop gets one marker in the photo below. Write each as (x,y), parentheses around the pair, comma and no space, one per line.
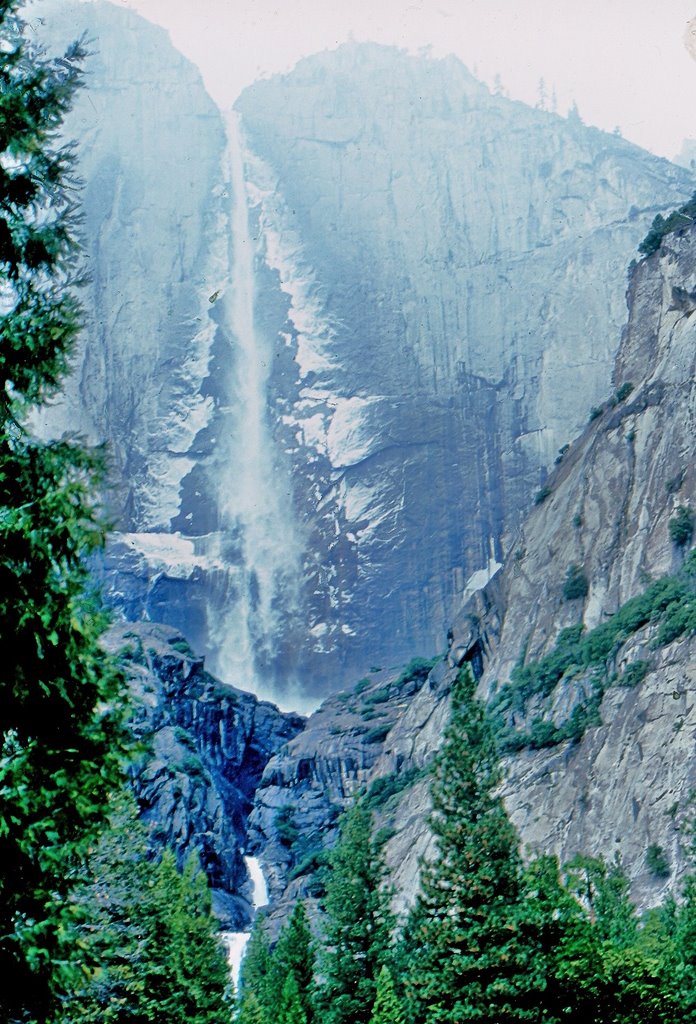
(619,779)
(206,746)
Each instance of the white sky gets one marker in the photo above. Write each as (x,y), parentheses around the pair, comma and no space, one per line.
(623,61)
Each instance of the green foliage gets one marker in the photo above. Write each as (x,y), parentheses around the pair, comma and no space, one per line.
(417,670)
(595,412)
(378,734)
(61,735)
(148,940)
(292,958)
(661,226)
(669,602)
(388,786)
(462,953)
(249,1010)
(387,1008)
(182,646)
(256,965)
(623,391)
(634,673)
(575,585)
(681,526)
(37,261)
(656,861)
(290,1009)
(378,696)
(314,860)
(357,933)
(674,483)
(284,824)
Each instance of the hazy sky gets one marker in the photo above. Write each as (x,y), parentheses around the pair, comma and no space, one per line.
(623,61)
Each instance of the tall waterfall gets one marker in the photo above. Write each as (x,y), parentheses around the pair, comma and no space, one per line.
(254,500)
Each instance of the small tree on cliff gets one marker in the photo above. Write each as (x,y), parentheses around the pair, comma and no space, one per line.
(357,934)
(464,951)
(61,737)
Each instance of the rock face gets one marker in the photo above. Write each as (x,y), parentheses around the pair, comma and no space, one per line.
(207,745)
(298,394)
(150,144)
(314,777)
(623,783)
(454,264)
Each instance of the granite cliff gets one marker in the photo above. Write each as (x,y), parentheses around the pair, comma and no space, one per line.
(205,746)
(320,325)
(453,265)
(592,684)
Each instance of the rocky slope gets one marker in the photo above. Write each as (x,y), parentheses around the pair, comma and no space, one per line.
(296,395)
(206,746)
(604,733)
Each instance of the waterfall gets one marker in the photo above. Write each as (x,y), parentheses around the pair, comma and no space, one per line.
(236,942)
(259,889)
(254,496)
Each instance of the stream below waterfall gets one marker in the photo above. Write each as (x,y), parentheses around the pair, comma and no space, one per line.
(236,942)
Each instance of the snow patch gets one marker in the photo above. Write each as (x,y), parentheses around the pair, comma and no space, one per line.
(479,579)
(351,436)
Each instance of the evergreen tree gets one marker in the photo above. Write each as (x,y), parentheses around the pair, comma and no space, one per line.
(464,953)
(148,936)
(682,918)
(387,1008)
(604,891)
(249,1010)
(60,728)
(293,955)
(255,972)
(556,927)
(596,967)
(357,933)
(290,1009)
(191,957)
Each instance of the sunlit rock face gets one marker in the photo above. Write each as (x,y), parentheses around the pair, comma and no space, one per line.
(333,342)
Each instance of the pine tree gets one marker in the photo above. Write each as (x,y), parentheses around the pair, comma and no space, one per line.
(290,1009)
(464,953)
(387,1008)
(682,962)
(60,726)
(596,966)
(194,955)
(357,933)
(293,955)
(147,937)
(249,1010)
(255,972)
